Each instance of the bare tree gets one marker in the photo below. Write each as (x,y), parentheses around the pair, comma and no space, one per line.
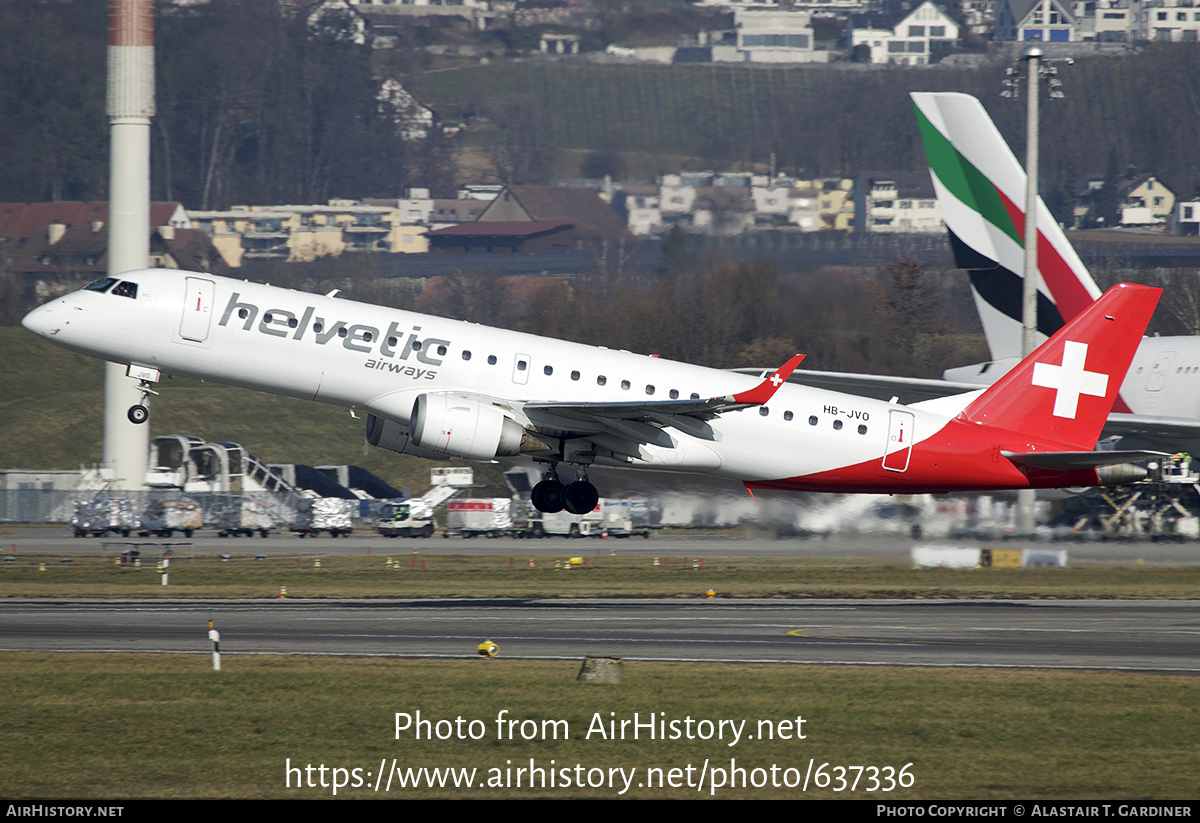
(1180,304)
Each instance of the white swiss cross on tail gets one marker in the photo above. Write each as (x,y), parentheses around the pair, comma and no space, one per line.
(1070,379)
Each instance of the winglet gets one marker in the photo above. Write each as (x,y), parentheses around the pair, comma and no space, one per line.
(764,391)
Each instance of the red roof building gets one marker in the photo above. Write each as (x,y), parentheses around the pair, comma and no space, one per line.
(57,246)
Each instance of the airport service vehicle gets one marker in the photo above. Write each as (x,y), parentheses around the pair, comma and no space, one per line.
(617,518)
(242,518)
(97,518)
(414,517)
(489,517)
(442,388)
(610,518)
(324,515)
(571,525)
(165,517)
(406,518)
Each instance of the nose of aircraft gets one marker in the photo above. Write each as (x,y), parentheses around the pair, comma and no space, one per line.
(46,320)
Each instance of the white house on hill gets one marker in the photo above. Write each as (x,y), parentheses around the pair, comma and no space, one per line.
(908,40)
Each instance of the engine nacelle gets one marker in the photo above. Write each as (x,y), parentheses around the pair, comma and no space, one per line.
(462,426)
(1121,474)
(388,434)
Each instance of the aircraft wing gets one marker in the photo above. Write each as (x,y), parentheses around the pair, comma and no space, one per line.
(647,410)
(907,389)
(643,419)
(1152,427)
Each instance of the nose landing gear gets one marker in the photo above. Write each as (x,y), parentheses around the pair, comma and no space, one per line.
(139,413)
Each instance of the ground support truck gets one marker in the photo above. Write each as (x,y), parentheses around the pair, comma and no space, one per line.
(329,515)
(162,518)
(414,517)
(489,517)
(245,517)
(106,516)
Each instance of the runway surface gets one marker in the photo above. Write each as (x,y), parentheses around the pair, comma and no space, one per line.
(1125,635)
(1120,635)
(732,543)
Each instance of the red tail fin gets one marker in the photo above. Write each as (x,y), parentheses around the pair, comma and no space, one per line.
(1065,390)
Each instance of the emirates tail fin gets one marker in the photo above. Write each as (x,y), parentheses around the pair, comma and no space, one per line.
(981,189)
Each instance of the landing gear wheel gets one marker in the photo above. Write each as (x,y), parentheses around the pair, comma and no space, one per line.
(547,496)
(138,414)
(580,497)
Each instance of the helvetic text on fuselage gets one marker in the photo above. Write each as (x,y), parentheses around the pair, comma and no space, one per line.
(357,337)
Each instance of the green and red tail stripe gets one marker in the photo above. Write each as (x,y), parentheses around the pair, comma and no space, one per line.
(981,186)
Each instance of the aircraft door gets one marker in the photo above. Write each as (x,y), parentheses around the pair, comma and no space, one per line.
(197,309)
(521,366)
(1160,370)
(899,442)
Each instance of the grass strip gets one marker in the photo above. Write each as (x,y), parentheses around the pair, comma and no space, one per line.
(448,575)
(166,726)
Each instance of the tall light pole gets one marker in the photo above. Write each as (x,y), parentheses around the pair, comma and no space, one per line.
(1032,58)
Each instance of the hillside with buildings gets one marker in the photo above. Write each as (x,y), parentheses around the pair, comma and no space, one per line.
(257,104)
(578,141)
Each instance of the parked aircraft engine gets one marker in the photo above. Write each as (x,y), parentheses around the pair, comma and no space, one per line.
(390,435)
(1121,474)
(463,426)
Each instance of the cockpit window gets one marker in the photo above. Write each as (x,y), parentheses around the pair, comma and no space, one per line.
(126,289)
(101,285)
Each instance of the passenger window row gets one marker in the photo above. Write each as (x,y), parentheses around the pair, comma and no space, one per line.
(601,380)
(812,420)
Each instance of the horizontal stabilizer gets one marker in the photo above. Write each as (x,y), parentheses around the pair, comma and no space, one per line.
(1065,461)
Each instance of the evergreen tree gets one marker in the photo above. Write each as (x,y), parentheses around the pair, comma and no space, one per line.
(676,259)
(1106,203)
(1061,199)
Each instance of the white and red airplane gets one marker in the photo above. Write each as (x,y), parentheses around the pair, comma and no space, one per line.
(438,388)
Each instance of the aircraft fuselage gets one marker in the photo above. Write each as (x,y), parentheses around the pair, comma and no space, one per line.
(383,360)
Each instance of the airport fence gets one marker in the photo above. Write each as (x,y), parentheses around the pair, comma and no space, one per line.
(58,506)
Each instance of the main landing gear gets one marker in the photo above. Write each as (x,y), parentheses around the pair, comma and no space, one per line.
(550,495)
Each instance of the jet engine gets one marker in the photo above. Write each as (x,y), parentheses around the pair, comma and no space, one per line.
(1121,474)
(464,426)
(390,435)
